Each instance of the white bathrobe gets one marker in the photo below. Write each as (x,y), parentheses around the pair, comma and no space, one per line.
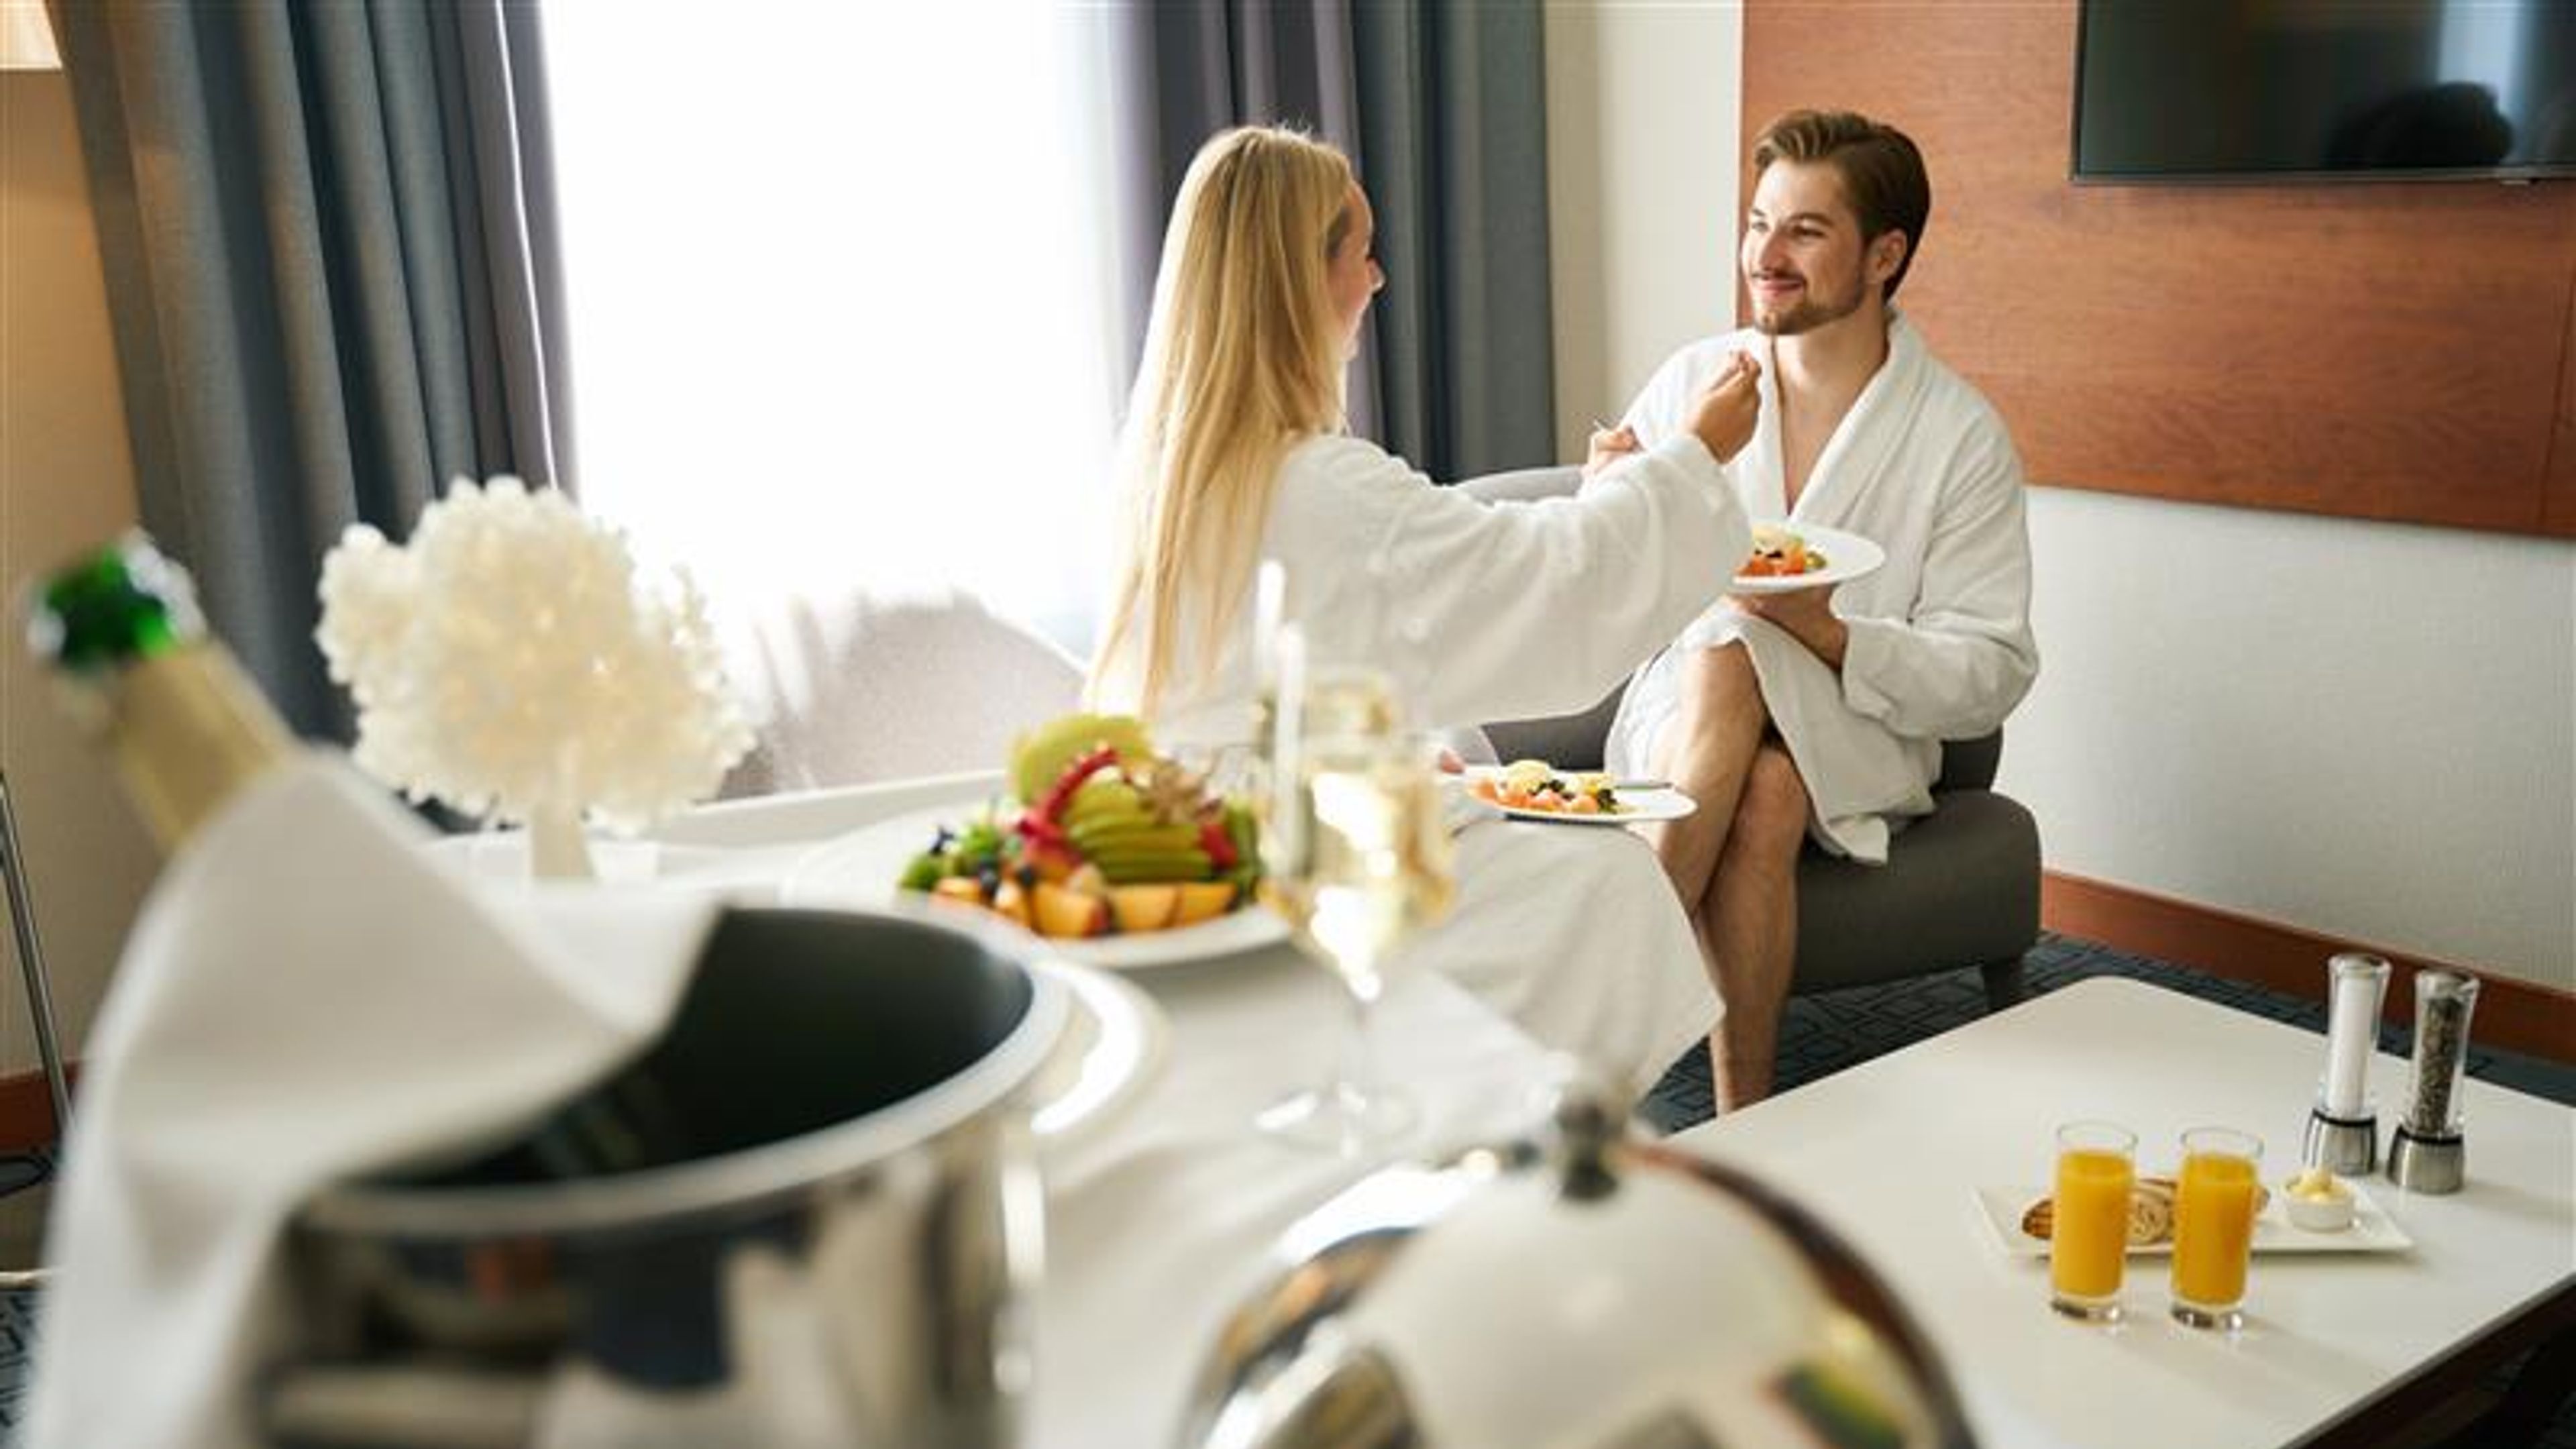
(1482,611)
(1477,611)
(1940,647)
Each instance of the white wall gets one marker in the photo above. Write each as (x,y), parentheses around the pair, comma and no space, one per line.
(2367,730)
(1642,158)
(66,481)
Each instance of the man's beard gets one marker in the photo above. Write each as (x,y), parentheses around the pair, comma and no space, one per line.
(1811,311)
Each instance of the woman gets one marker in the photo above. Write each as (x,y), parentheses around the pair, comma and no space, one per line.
(1234,452)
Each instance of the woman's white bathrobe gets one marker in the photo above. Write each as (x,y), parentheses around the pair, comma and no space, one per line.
(1940,647)
(1483,611)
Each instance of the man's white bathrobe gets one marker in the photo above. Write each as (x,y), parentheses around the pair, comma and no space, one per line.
(1940,647)
(1483,611)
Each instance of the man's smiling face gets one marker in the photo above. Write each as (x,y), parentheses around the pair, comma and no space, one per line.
(1805,262)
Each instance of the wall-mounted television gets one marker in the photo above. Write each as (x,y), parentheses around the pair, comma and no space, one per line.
(2332,90)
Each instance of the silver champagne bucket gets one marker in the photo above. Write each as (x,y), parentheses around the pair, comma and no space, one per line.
(808,1215)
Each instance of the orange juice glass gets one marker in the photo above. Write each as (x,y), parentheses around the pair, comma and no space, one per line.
(2088,1243)
(2214,1205)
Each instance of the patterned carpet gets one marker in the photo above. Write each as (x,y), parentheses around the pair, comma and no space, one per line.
(1820,1035)
(1824,1034)
(18,1173)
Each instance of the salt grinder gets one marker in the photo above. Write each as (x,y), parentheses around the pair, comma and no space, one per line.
(2343,1127)
(2428,1154)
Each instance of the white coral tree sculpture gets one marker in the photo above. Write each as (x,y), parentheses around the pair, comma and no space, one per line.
(509,662)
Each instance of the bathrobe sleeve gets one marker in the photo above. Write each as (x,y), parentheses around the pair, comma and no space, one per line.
(1488,610)
(1964,656)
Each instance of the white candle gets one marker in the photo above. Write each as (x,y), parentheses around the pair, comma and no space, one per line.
(1284,849)
(2355,983)
(1269,609)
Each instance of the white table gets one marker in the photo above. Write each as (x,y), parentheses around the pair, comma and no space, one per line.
(1887,1153)
(1159,1225)
(1161,1218)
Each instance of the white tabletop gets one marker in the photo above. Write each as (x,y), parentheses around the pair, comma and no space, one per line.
(1161,1217)
(1889,1151)
(1158,1226)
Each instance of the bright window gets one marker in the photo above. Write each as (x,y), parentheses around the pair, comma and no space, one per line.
(840,297)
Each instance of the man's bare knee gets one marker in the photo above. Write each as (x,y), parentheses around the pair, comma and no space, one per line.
(1771,814)
(1722,673)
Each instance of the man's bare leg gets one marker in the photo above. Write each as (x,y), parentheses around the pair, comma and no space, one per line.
(1749,926)
(1705,752)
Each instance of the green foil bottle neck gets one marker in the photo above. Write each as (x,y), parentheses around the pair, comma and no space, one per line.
(122,603)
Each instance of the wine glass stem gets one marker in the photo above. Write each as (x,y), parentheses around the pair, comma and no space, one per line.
(1355,1083)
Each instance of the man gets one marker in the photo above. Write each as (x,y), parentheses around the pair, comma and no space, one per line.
(1822,710)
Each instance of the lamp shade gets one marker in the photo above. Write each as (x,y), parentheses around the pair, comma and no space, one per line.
(27,37)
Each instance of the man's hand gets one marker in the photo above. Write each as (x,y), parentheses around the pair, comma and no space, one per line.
(1724,415)
(1608,446)
(1807,614)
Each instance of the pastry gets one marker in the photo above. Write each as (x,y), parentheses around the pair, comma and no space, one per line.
(2151,1205)
(2151,1212)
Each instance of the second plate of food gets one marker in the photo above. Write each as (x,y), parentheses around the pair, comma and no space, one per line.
(2015,1212)
(1553,798)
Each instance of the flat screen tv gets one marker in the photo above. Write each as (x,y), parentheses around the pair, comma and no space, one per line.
(2334,90)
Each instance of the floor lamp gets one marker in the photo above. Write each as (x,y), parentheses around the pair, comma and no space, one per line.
(27,43)
(40,1007)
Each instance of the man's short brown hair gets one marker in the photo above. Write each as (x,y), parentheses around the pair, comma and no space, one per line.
(1882,172)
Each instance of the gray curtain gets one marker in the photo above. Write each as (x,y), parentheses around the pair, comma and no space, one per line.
(334,282)
(1442,108)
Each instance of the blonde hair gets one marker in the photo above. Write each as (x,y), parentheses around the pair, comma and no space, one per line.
(1242,360)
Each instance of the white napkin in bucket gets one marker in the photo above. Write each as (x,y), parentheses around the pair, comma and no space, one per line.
(308,996)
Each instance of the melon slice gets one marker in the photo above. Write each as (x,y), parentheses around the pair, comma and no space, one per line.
(1012,902)
(1144,907)
(1068,914)
(1203,901)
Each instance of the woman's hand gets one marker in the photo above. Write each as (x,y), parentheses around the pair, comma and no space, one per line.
(1807,614)
(1609,445)
(1724,415)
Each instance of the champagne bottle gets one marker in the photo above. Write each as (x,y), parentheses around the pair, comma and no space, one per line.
(188,731)
(185,726)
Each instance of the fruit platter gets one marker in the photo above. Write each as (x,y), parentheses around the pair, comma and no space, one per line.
(1103,836)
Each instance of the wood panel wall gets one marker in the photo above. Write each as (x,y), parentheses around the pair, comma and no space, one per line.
(2392,351)
(2558,509)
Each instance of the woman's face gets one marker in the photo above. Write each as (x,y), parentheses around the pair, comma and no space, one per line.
(1351,273)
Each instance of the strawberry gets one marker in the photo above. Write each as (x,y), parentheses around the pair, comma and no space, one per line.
(1051,809)
(1219,846)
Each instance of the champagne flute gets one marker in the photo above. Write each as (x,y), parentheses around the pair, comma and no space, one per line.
(1355,856)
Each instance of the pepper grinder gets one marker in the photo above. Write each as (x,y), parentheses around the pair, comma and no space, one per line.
(2343,1127)
(2428,1154)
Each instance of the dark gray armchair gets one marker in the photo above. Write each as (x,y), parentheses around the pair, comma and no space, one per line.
(1960,887)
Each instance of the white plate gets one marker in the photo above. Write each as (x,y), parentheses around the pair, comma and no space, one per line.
(861,868)
(1636,807)
(2372,1230)
(1848,556)
(1112,1044)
